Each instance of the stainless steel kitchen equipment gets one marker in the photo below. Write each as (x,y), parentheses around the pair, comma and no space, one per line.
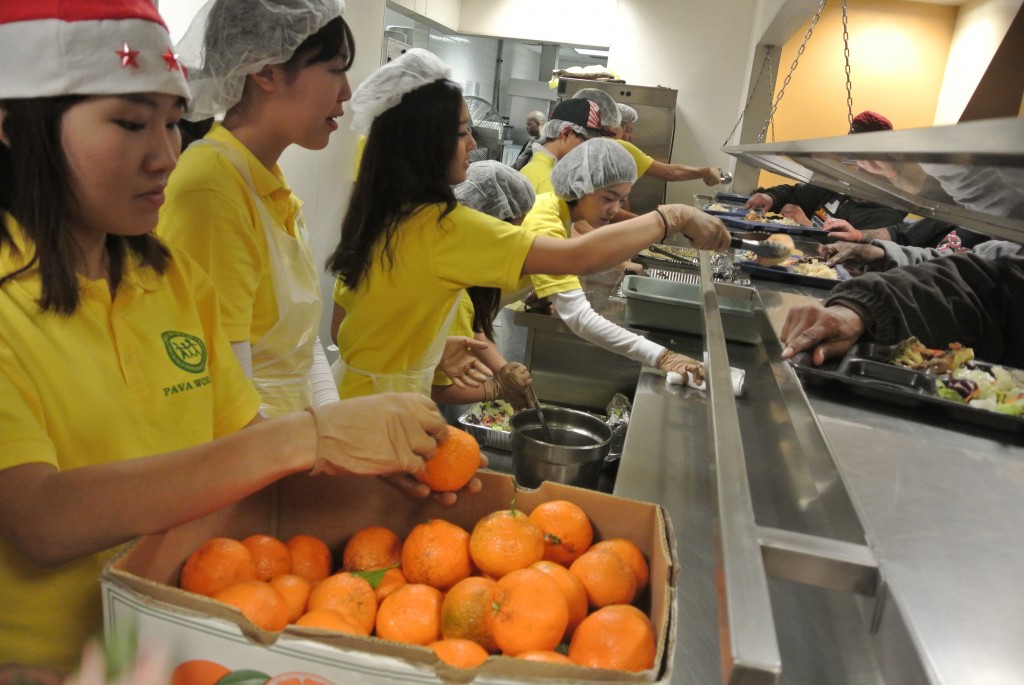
(574,456)
(654,132)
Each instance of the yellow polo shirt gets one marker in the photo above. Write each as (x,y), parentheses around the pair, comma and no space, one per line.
(538,171)
(642,159)
(148,372)
(210,214)
(550,216)
(395,314)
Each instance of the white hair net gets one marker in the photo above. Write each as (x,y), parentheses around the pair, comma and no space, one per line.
(385,88)
(554,127)
(592,165)
(230,39)
(610,117)
(628,114)
(496,189)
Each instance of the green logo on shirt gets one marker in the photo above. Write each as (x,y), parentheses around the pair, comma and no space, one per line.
(186,351)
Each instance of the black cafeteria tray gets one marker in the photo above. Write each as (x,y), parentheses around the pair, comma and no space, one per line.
(731,210)
(731,198)
(864,371)
(784,275)
(732,221)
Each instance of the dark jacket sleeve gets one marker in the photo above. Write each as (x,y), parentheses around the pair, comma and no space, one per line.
(961,298)
(865,215)
(808,197)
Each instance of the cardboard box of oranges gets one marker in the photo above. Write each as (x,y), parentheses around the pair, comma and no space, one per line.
(208,638)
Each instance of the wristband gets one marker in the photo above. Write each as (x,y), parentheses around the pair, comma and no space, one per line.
(664,222)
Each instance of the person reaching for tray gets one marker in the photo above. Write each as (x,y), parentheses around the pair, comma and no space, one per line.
(961,298)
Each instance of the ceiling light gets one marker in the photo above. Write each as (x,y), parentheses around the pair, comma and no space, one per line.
(591,53)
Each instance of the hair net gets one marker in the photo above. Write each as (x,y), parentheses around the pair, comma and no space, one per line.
(628,114)
(590,166)
(230,39)
(610,117)
(554,127)
(496,189)
(385,88)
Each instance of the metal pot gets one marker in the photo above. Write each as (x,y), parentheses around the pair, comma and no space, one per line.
(580,445)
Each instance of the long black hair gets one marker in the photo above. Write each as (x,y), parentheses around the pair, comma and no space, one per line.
(332,40)
(37,194)
(404,166)
(486,305)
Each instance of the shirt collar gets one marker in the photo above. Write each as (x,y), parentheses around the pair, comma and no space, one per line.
(267,181)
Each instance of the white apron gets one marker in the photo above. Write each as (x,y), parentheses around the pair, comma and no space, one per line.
(418,378)
(282,358)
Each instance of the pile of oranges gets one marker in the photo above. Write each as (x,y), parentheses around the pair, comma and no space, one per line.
(534,587)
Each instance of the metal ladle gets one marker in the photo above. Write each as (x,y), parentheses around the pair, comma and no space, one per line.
(531,396)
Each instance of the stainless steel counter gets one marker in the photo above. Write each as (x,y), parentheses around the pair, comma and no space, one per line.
(941,505)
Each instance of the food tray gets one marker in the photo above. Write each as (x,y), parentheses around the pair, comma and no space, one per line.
(672,306)
(731,210)
(732,221)
(863,370)
(486,436)
(784,275)
(731,198)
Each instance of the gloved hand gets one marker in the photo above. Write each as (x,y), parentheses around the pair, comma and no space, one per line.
(681,364)
(711,175)
(706,232)
(460,364)
(509,384)
(376,435)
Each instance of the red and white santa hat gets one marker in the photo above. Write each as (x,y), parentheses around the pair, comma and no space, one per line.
(85,47)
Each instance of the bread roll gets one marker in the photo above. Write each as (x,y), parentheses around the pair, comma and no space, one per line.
(777,238)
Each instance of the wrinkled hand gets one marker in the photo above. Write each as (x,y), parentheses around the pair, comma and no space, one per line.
(760,201)
(683,365)
(375,435)
(509,384)
(711,176)
(840,229)
(853,256)
(460,364)
(418,490)
(830,331)
(795,213)
(705,232)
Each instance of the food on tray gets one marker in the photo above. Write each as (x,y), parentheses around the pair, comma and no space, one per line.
(913,354)
(716,207)
(769,218)
(808,266)
(493,415)
(784,240)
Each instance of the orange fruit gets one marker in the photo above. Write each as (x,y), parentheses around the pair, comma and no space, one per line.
(328,619)
(505,540)
(454,463)
(566,528)
(571,587)
(618,636)
(258,602)
(371,548)
(532,612)
(411,614)
(351,596)
(392,580)
(214,565)
(295,590)
(311,557)
(468,609)
(198,672)
(546,657)
(607,578)
(459,653)
(436,553)
(631,554)
(270,556)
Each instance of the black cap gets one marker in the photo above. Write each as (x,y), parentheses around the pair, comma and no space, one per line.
(581,112)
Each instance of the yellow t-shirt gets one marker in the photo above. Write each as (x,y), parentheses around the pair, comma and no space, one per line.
(550,216)
(642,159)
(538,171)
(462,325)
(394,315)
(146,373)
(210,214)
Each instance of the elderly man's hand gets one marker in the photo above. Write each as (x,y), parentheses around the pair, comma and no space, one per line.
(826,331)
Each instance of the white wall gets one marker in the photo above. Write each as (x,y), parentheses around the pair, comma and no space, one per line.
(581,22)
(980,27)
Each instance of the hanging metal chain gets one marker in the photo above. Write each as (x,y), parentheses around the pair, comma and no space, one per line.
(766,63)
(846,55)
(792,68)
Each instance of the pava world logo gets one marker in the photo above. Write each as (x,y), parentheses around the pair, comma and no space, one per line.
(186,351)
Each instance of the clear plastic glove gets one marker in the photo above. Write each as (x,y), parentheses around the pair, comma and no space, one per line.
(705,232)
(683,365)
(376,435)
(509,384)
(760,201)
(711,176)
(460,364)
